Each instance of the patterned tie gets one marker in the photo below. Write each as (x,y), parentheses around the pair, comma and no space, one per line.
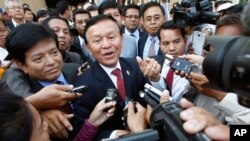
(66,108)
(169,80)
(120,83)
(152,47)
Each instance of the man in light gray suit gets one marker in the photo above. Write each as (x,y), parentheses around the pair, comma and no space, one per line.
(112,8)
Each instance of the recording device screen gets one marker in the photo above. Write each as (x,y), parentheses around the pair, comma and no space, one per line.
(184,65)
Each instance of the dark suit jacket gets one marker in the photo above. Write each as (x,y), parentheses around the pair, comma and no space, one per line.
(10,25)
(76,47)
(72,57)
(141,44)
(98,82)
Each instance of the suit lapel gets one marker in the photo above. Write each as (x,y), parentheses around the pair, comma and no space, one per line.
(127,73)
(141,44)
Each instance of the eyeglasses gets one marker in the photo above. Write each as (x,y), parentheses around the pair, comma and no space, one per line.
(132,16)
(16,7)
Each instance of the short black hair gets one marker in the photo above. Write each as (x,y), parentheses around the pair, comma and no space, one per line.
(41,13)
(107,5)
(16,119)
(26,9)
(151,4)
(233,19)
(171,26)
(46,21)
(92,7)
(53,12)
(26,36)
(95,20)
(62,6)
(131,6)
(80,11)
(234,9)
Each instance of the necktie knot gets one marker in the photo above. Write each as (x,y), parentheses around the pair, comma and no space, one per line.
(116,72)
(133,35)
(152,39)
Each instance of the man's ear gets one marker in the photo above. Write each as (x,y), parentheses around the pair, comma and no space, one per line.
(21,66)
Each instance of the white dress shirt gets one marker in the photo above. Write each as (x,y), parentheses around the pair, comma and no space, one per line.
(180,85)
(109,72)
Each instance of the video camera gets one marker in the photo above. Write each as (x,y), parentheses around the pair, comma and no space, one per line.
(165,121)
(228,68)
(194,12)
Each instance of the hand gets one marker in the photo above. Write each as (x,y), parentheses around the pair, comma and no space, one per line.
(6,66)
(53,96)
(58,123)
(196,59)
(150,68)
(164,98)
(98,115)
(198,119)
(136,120)
(84,67)
(198,79)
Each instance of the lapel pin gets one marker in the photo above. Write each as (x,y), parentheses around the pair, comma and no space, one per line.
(127,72)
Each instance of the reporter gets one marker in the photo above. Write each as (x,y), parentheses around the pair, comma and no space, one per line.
(19,120)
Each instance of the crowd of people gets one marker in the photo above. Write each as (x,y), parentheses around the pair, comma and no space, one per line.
(108,46)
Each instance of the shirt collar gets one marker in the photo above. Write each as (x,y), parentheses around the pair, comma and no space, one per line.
(136,33)
(109,70)
(60,78)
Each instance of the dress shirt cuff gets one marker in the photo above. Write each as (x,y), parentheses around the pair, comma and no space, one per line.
(159,85)
(229,99)
(113,134)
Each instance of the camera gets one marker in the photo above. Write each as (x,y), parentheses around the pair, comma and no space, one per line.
(228,68)
(194,12)
(165,122)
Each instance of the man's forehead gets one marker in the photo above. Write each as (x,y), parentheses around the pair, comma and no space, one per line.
(102,23)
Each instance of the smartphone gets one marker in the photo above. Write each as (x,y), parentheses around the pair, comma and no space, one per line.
(80,89)
(181,65)
(198,41)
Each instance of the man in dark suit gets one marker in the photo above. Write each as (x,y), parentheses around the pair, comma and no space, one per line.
(153,16)
(104,40)
(15,11)
(131,17)
(40,65)
(81,17)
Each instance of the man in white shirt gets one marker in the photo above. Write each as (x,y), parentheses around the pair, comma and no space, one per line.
(172,42)
(131,17)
